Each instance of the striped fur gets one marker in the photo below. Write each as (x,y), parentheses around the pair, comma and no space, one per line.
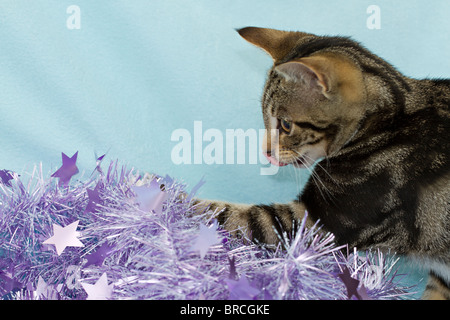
(263,223)
(437,288)
(383,145)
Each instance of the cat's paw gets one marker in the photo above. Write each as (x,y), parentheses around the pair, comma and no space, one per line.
(200,206)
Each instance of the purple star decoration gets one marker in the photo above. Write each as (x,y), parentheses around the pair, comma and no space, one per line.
(94,198)
(67,170)
(7,281)
(352,285)
(5,177)
(233,274)
(241,289)
(96,258)
(98,167)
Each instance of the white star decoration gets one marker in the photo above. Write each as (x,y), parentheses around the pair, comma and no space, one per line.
(46,291)
(150,197)
(206,238)
(100,290)
(65,237)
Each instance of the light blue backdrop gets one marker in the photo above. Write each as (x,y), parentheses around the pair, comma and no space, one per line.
(137,70)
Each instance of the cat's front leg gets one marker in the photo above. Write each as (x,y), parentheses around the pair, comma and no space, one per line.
(262,223)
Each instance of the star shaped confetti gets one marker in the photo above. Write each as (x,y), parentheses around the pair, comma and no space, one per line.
(150,197)
(5,177)
(233,274)
(98,163)
(67,170)
(207,237)
(350,283)
(241,289)
(7,281)
(100,290)
(362,293)
(46,291)
(41,288)
(97,257)
(94,198)
(65,237)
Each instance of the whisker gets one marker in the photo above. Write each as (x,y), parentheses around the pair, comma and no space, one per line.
(316,178)
(298,179)
(324,170)
(313,176)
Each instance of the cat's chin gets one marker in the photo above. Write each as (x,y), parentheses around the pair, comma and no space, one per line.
(299,163)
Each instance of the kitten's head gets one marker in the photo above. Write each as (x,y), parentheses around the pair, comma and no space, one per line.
(313,97)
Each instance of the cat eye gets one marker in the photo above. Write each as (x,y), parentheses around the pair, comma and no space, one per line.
(286,125)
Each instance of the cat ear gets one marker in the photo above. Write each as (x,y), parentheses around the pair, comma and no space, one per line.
(316,72)
(276,43)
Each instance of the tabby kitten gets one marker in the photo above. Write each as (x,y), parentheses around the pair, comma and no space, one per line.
(383,138)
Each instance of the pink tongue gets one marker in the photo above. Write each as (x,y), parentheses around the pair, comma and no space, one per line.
(274,161)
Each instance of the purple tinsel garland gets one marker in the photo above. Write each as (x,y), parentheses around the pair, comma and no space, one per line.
(143,235)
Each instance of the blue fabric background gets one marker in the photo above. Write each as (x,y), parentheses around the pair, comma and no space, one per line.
(137,70)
